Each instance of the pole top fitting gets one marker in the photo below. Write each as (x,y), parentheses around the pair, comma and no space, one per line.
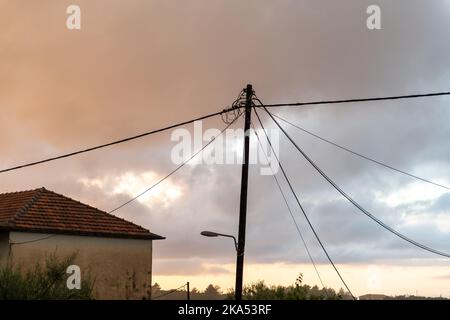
(249,88)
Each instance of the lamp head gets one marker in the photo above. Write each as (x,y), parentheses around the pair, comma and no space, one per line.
(209,234)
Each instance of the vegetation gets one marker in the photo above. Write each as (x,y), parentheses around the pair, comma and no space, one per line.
(210,293)
(298,291)
(42,282)
(256,291)
(408,297)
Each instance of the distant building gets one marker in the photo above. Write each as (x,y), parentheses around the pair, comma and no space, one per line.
(117,253)
(374,297)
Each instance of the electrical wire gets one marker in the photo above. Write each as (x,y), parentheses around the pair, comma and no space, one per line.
(236,108)
(136,197)
(117,141)
(361,155)
(415,243)
(170,292)
(412,96)
(232,109)
(304,212)
(35,240)
(290,212)
(175,170)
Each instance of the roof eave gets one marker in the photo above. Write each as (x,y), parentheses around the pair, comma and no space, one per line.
(143,236)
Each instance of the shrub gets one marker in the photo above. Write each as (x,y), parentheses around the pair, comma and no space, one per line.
(298,291)
(42,282)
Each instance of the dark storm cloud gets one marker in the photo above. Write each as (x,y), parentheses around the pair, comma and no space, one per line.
(148,64)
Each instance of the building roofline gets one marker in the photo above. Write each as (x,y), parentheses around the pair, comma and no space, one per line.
(148,236)
(11,224)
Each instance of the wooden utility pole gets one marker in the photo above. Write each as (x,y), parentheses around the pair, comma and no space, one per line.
(244,186)
(188,291)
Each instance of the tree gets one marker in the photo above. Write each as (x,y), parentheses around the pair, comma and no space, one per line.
(298,291)
(156,290)
(212,292)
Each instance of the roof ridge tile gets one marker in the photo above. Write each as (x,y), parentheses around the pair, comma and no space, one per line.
(24,209)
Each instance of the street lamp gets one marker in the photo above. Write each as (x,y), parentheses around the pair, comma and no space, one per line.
(212,234)
(215,234)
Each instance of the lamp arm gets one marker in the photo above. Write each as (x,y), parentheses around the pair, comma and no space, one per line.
(230,236)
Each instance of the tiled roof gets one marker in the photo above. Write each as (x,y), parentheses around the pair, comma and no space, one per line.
(44,211)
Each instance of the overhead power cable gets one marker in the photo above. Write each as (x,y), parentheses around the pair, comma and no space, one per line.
(175,170)
(413,242)
(116,142)
(290,211)
(412,96)
(35,240)
(170,292)
(233,109)
(303,210)
(361,155)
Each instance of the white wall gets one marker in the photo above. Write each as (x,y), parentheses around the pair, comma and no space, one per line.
(121,267)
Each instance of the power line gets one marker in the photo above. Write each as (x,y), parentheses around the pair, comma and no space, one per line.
(412,96)
(147,190)
(170,292)
(361,155)
(291,213)
(115,142)
(303,210)
(415,243)
(175,170)
(35,240)
(212,115)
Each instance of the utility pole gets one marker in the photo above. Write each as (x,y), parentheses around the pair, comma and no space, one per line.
(188,291)
(244,186)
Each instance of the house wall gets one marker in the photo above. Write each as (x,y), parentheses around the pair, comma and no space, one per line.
(4,248)
(122,268)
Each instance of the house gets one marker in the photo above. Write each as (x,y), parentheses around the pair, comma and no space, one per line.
(113,251)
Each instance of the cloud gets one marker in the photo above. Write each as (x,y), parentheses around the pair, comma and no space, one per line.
(185,267)
(132,184)
(145,65)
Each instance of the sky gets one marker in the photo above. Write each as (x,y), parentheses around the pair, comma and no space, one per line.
(143,65)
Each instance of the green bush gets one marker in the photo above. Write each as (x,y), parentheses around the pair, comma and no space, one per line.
(298,291)
(42,282)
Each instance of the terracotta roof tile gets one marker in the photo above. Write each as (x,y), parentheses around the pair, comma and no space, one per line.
(42,210)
